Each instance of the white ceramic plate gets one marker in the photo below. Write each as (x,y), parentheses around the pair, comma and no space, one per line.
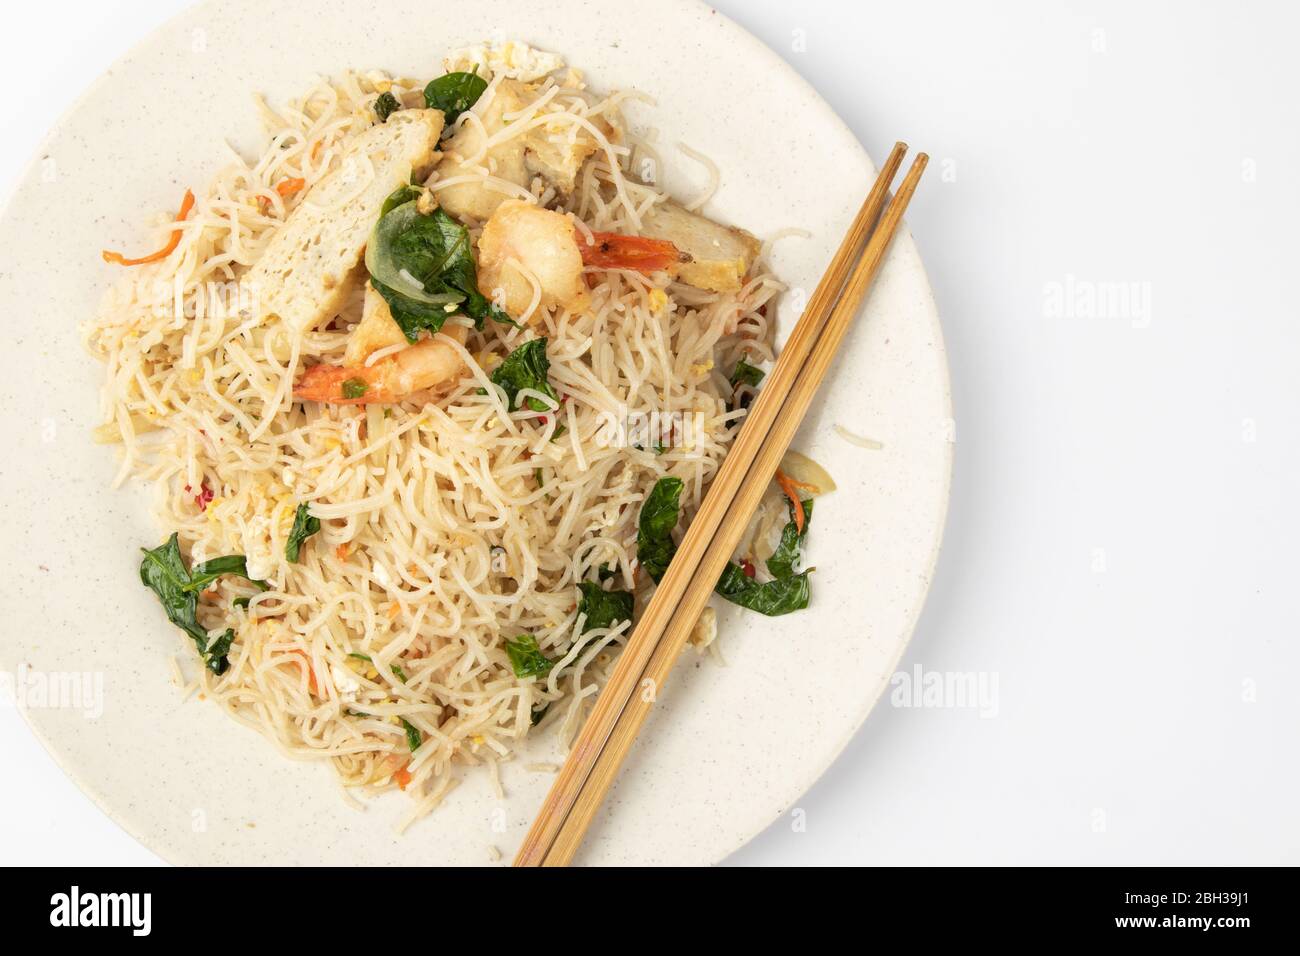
(730,748)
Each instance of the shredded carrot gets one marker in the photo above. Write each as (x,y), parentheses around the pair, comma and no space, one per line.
(287,187)
(186,205)
(341,552)
(394,609)
(402,776)
(791,489)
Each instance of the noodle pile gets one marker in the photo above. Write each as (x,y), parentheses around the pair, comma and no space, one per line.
(449,525)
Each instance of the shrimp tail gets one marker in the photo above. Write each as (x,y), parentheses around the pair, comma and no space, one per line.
(611,250)
(341,385)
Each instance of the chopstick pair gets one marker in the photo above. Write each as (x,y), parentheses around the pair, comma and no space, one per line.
(734,495)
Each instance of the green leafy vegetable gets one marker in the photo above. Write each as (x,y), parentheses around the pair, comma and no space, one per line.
(786,556)
(526,367)
(354,388)
(217,656)
(454,93)
(163,571)
(411,316)
(410,252)
(400,197)
(654,536)
(603,608)
(424,267)
(386,105)
(201,575)
(413,736)
(305,525)
(773,598)
(787,591)
(538,714)
(241,602)
(527,658)
(746,374)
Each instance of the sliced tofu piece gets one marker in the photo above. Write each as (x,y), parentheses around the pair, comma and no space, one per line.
(476,199)
(376,331)
(720,255)
(304,274)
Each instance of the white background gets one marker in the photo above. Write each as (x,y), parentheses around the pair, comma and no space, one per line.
(1119,556)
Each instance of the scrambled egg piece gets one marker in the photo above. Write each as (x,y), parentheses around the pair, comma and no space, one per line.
(513,59)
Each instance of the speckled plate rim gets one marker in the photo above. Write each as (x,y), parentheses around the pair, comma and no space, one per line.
(904,249)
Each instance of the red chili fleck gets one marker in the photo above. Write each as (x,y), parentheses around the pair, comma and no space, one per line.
(542,419)
(204,496)
(748,568)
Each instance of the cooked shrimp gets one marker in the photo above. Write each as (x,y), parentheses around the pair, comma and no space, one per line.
(528,254)
(426,364)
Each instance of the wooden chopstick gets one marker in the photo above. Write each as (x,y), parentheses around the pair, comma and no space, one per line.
(574,782)
(737,518)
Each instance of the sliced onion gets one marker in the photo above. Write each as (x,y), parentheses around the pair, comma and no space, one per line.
(805,471)
(772,518)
